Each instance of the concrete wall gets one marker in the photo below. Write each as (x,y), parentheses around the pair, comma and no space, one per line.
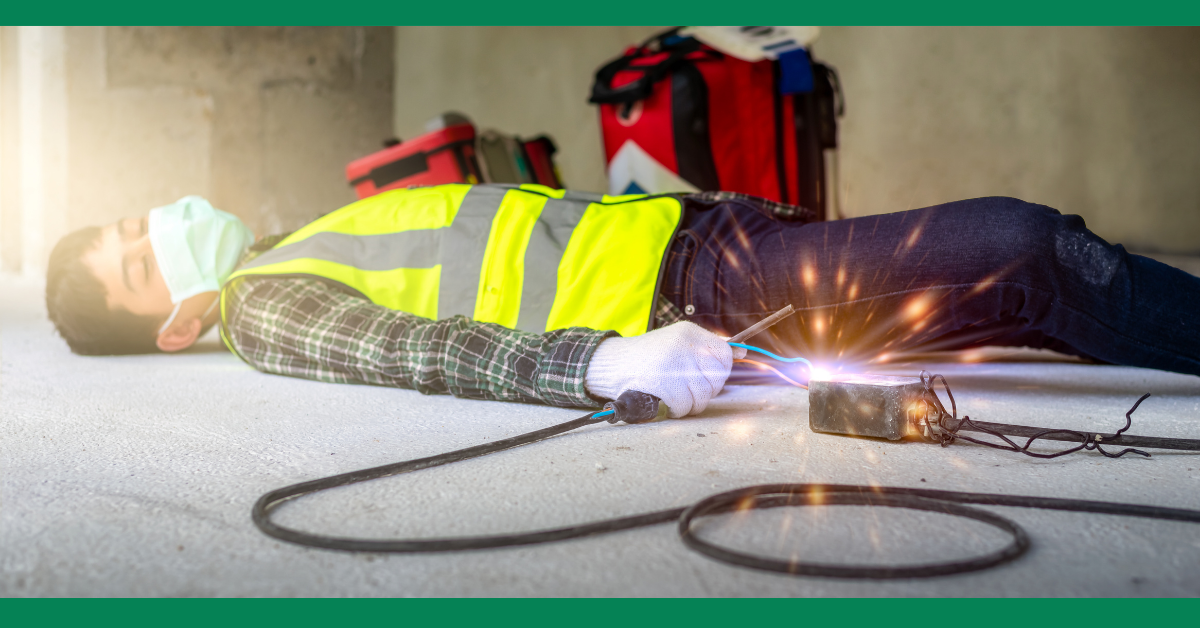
(1102,122)
(99,123)
(260,120)
(526,80)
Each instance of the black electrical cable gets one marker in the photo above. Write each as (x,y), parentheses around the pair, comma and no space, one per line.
(748,498)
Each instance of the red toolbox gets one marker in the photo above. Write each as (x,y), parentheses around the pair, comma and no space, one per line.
(445,155)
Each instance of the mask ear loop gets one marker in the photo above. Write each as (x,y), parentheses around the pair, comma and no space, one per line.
(171,318)
(211,307)
(175,312)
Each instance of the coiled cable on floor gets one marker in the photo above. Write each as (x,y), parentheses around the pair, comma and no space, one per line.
(753,497)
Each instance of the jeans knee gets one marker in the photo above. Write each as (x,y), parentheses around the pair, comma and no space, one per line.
(1028,227)
(1062,242)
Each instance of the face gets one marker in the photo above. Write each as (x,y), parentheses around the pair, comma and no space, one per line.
(124,263)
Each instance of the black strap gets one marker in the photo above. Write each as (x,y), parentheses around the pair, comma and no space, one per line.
(603,91)
(835,84)
(394,170)
(415,163)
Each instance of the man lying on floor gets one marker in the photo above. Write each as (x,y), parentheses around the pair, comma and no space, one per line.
(569,299)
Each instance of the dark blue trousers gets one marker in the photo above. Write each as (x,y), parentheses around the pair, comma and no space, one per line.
(987,271)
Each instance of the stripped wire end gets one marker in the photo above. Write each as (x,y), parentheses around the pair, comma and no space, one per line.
(768,367)
(769,354)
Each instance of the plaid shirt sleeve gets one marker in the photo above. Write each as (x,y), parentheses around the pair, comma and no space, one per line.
(306,328)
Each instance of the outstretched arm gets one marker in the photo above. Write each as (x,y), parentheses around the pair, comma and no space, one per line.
(303,327)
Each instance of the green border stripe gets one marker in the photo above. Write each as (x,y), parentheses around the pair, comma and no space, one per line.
(526,12)
(592,613)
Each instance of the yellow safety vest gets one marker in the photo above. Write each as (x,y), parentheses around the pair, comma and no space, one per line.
(530,258)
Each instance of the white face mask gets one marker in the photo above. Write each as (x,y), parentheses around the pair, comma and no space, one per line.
(196,246)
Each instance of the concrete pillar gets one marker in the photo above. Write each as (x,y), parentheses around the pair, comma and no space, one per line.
(10,201)
(6,183)
(41,142)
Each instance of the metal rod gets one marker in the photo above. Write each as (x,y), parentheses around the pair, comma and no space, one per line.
(1126,440)
(758,327)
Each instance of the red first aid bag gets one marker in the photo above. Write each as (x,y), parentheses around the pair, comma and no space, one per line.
(445,155)
(678,115)
(452,152)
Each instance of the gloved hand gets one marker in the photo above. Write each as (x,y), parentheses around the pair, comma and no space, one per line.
(682,364)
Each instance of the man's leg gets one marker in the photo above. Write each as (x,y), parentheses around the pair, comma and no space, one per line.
(972,272)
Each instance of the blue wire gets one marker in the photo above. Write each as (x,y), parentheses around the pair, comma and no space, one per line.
(769,354)
(734,344)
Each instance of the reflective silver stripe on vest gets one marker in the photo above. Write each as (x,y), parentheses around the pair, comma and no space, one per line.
(463,245)
(547,243)
(406,249)
(586,197)
(460,249)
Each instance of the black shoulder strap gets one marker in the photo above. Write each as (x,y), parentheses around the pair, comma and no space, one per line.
(603,91)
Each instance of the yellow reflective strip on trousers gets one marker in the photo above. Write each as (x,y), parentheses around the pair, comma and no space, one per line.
(418,208)
(502,277)
(412,290)
(614,290)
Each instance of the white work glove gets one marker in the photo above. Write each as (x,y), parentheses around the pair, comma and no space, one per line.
(682,364)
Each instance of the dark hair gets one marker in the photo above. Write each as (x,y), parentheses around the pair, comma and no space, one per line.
(77,304)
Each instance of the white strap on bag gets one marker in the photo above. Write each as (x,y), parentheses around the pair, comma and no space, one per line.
(754,43)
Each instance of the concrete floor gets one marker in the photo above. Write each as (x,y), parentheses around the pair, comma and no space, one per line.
(134,476)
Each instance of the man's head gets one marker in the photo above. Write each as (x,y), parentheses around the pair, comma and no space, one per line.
(78,302)
(106,290)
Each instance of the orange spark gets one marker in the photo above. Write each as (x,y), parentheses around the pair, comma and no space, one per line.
(783,529)
(743,239)
(917,307)
(853,291)
(808,275)
(912,239)
(984,284)
(841,276)
(733,260)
